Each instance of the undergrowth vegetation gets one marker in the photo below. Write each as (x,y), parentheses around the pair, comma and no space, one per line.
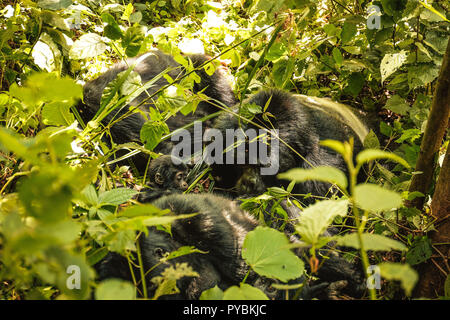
(63,203)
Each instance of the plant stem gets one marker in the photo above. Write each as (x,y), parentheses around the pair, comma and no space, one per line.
(353,173)
(141,269)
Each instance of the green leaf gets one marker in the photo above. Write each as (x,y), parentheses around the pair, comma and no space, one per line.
(277,50)
(429,7)
(88,45)
(348,32)
(447,286)
(244,292)
(375,154)
(337,56)
(401,272)
(391,62)
(90,195)
(57,114)
(112,29)
(371,141)
(54,4)
(214,293)
(322,173)
(398,105)
(46,87)
(116,196)
(334,145)
(420,252)
(152,132)
(315,219)
(141,210)
(182,251)
(141,223)
(115,289)
(355,83)
(374,198)
(422,74)
(267,252)
(132,40)
(374,242)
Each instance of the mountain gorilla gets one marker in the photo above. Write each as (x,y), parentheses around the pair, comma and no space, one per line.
(165,177)
(219,229)
(215,86)
(302,123)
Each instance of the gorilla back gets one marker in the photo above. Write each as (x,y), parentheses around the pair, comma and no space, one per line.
(151,65)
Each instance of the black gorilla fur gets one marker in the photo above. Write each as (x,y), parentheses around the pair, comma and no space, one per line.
(219,228)
(215,87)
(301,125)
(165,177)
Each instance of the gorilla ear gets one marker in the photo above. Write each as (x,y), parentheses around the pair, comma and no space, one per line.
(158,178)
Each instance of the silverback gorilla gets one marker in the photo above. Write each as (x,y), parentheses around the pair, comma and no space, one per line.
(155,62)
(219,229)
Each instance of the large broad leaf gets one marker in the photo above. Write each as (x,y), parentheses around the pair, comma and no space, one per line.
(401,272)
(373,242)
(115,289)
(88,46)
(57,113)
(316,218)
(326,174)
(267,251)
(244,292)
(116,196)
(374,198)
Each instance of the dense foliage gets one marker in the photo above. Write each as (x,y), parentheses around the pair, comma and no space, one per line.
(62,205)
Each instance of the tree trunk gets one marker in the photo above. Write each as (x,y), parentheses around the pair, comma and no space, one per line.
(434,133)
(431,283)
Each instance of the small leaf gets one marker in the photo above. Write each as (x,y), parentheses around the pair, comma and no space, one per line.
(348,32)
(447,286)
(337,56)
(334,145)
(402,272)
(373,242)
(374,198)
(398,105)
(141,210)
(371,141)
(374,154)
(115,289)
(88,46)
(214,293)
(390,63)
(244,292)
(420,252)
(323,173)
(116,196)
(316,218)
(152,132)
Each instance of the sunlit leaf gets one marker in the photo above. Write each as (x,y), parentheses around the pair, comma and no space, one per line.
(266,251)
